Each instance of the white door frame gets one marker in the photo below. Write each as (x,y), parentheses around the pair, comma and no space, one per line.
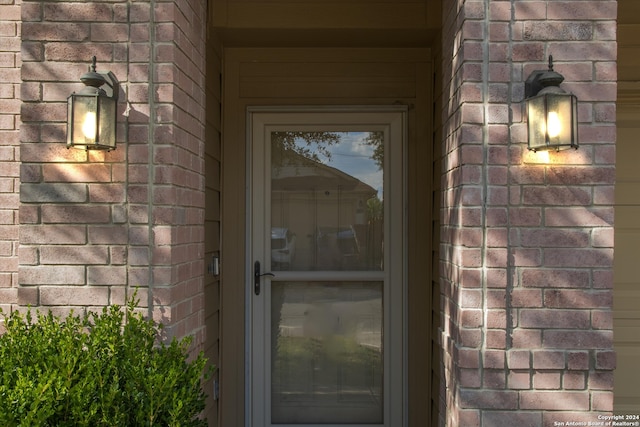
(392,119)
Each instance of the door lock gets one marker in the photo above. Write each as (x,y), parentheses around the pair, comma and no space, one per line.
(257,276)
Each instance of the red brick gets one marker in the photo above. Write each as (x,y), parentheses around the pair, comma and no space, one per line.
(471,298)
(139,33)
(555,237)
(106,275)
(29,214)
(470,337)
(473,10)
(529,51)
(545,359)
(603,238)
(550,30)
(603,279)
(574,380)
(605,30)
(105,234)
(28,296)
(55,32)
(606,71)
(109,32)
(75,214)
(493,399)
(69,254)
(139,12)
(577,258)
(525,217)
(579,217)
(600,380)
(10,13)
(470,378)
(602,401)
(494,379)
(68,12)
(49,275)
(578,360)
(118,255)
(44,112)
(498,32)
(606,359)
(576,339)
(511,418)
(527,257)
(8,280)
(604,195)
(493,359)
(80,295)
(31,11)
(601,319)
(527,175)
(549,195)
(527,338)
(531,298)
(555,278)
(469,358)
(77,52)
(106,193)
(53,234)
(519,380)
(554,400)
(66,172)
(554,318)
(582,10)
(495,298)
(570,298)
(496,339)
(496,257)
(139,235)
(472,72)
(529,10)
(546,380)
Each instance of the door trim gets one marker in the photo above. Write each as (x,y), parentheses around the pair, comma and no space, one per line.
(397,401)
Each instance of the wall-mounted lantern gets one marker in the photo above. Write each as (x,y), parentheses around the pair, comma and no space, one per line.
(91,115)
(552,113)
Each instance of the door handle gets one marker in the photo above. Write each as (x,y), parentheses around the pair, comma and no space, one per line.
(257,275)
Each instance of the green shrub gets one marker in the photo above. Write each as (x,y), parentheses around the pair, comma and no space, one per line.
(96,370)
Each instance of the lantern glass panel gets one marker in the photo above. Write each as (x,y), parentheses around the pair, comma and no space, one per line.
(536,123)
(552,121)
(84,123)
(559,115)
(107,114)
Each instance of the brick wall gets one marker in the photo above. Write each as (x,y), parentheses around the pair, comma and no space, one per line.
(527,241)
(9,150)
(95,225)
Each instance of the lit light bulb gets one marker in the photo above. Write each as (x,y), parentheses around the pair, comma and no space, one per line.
(554,127)
(89,125)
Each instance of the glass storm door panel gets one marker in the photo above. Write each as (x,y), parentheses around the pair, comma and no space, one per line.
(326,298)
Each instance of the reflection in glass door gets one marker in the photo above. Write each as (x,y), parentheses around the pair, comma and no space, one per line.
(327,200)
(327,338)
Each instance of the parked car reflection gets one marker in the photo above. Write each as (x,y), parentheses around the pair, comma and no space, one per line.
(283,248)
(337,248)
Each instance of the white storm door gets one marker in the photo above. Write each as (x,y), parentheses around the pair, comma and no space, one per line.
(327,257)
